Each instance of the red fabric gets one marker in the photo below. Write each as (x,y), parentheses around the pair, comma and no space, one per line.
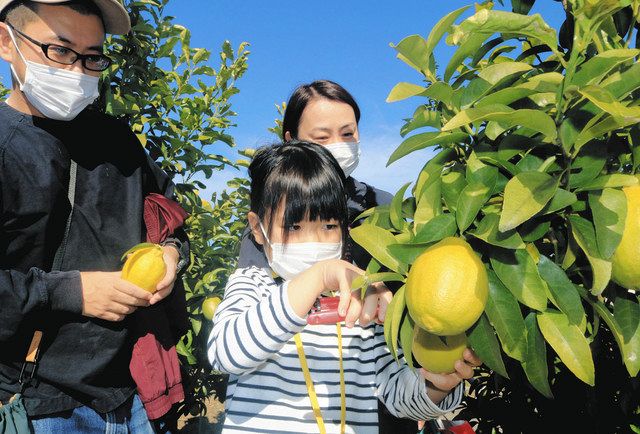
(154,365)
(162,217)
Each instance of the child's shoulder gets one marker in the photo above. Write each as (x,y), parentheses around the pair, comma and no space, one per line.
(257,275)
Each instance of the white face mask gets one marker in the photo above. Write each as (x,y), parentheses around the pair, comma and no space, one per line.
(347,154)
(56,93)
(289,260)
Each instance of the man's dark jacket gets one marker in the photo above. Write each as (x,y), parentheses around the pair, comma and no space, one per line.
(84,361)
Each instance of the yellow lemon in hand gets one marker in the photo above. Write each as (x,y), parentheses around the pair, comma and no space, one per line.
(145,266)
(447,288)
(433,354)
(625,270)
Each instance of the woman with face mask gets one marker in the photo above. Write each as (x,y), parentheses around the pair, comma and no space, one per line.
(292,374)
(323,112)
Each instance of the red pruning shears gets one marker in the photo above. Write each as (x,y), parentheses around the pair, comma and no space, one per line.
(325,311)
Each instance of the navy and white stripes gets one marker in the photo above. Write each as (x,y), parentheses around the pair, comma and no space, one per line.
(252,339)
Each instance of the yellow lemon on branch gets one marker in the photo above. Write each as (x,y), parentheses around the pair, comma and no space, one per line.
(437,354)
(625,270)
(447,288)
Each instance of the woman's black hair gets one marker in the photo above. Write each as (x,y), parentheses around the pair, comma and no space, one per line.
(307,93)
(305,176)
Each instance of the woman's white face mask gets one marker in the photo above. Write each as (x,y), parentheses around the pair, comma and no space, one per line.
(347,154)
(289,260)
(56,93)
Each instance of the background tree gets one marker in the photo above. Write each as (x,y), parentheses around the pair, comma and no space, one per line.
(536,133)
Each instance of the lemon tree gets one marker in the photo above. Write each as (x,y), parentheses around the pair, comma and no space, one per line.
(536,145)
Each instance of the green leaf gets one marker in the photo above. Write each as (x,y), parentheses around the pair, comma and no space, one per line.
(522,6)
(413,51)
(429,203)
(395,210)
(519,273)
(406,253)
(562,290)
(389,325)
(375,240)
(423,140)
(436,229)
(505,96)
(507,118)
(608,103)
(483,341)
(524,196)
(609,181)
(569,343)
(488,232)
(433,169)
(630,350)
(560,200)
(584,234)
(403,91)
(422,117)
(594,69)
(452,184)
(588,164)
(439,91)
(441,27)
(609,210)
(535,362)
(627,315)
(406,338)
(396,318)
(504,314)
(475,195)
(533,230)
(467,49)
(488,22)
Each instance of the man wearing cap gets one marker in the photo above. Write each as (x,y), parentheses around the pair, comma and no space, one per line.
(48,139)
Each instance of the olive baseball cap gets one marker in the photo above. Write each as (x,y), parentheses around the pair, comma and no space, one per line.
(114,15)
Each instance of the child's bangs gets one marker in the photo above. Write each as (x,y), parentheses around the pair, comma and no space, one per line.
(320,198)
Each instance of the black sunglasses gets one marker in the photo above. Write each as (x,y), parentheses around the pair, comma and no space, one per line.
(67,56)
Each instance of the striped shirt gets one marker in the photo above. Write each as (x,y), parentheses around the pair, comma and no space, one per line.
(252,340)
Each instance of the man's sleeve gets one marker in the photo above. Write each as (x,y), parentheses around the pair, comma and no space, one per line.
(23,293)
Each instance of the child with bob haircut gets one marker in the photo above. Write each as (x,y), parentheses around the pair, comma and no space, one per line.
(290,377)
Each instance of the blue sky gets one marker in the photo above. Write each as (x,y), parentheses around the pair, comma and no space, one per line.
(295,42)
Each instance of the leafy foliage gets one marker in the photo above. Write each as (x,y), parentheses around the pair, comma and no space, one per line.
(179,105)
(535,137)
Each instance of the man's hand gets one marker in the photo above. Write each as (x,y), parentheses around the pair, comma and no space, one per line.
(171,257)
(107,296)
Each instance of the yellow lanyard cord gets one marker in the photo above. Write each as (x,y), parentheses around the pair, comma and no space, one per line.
(343,401)
(312,391)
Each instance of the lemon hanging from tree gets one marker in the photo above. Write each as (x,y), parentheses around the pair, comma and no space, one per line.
(447,288)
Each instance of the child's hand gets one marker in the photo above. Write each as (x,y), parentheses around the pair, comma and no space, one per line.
(464,371)
(337,275)
(375,303)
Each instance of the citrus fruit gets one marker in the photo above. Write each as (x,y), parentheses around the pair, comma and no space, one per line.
(145,266)
(625,262)
(209,306)
(433,354)
(447,288)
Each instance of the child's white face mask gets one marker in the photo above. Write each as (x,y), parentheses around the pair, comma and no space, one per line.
(289,260)
(347,154)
